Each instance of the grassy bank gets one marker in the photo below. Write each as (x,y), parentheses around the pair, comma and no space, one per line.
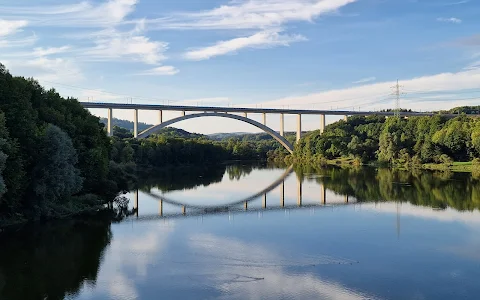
(466,167)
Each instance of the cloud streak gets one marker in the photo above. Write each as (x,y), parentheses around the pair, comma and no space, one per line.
(251,14)
(264,39)
(160,71)
(450,20)
(364,80)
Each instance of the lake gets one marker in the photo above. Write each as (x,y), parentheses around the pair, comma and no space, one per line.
(252,231)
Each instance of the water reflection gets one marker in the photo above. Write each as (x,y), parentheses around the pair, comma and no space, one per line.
(53,261)
(321,234)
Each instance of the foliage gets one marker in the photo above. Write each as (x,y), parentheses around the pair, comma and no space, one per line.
(409,142)
(41,133)
(56,177)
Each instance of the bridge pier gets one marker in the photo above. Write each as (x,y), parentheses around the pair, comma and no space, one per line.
(282,128)
(160,116)
(282,194)
(264,202)
(323,195)
(183,113)
(245,115)
(160,208)
(109,123)
(345,118)
(184,210)
(346,198)
(135,123)
(322,123)
(136,203)
(245,205)
(265,119)
(299,127)
(299,192)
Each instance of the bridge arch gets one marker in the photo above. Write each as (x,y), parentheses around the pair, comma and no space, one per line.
(269,188)
(283,141)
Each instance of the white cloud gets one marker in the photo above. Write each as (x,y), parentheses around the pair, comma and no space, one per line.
(46,69)
(252,14)
(49,51)
(377,95)
(18,42)
(450,20)
(11,27)
(160,71)
(203,101)
(114,45)
(364,80)
(263,39)
(83,14)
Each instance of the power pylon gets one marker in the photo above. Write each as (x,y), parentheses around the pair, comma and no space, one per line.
(397,94)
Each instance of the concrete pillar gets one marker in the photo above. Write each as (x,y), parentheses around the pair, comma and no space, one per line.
(323,194)
(299,127)
(345,118)
(299,192)
(109,123)
(282,194)
(282,127)
(246,205)
(322,123)
(245,115)
(160,208)
(135,123)
(265,119)
(264,202)
(160,116)
(346,198)
(184,210)
(136,203)
(183,113)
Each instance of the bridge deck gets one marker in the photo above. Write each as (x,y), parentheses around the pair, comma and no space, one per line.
(252,110)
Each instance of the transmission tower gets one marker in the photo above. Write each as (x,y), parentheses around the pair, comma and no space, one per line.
(397,94)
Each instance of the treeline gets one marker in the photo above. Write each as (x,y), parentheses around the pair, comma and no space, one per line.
(166,148)
(54,155)
(409,142)
(440,190)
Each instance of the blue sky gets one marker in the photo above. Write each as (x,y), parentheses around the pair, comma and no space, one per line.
(276,53)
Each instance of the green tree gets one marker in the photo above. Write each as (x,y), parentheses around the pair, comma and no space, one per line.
(56,177)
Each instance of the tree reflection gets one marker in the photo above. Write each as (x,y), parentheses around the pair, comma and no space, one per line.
(434,189)
(53,260)
(182,178)
(238,171)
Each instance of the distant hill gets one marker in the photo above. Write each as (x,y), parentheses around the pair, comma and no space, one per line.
(176,132)
(224,136)
(126,124)
(244,136)
(169,131)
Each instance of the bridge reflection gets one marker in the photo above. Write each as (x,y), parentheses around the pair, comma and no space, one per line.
(267,203)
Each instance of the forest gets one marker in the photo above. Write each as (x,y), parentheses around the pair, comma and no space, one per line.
(409,141)
(56,159)
(54,154)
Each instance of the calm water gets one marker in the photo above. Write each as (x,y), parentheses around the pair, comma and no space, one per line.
(211,233)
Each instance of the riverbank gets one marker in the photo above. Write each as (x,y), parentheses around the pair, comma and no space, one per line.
(464,167)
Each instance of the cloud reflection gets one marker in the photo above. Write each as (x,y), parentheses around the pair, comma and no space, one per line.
(245,271)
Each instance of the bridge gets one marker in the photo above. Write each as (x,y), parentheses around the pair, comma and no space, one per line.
(190,112)
(239,204)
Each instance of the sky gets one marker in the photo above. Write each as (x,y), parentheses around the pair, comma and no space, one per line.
(303,54)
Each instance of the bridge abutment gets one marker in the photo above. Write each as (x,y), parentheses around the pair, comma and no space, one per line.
(135,123)
(109,123)
(299,127)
